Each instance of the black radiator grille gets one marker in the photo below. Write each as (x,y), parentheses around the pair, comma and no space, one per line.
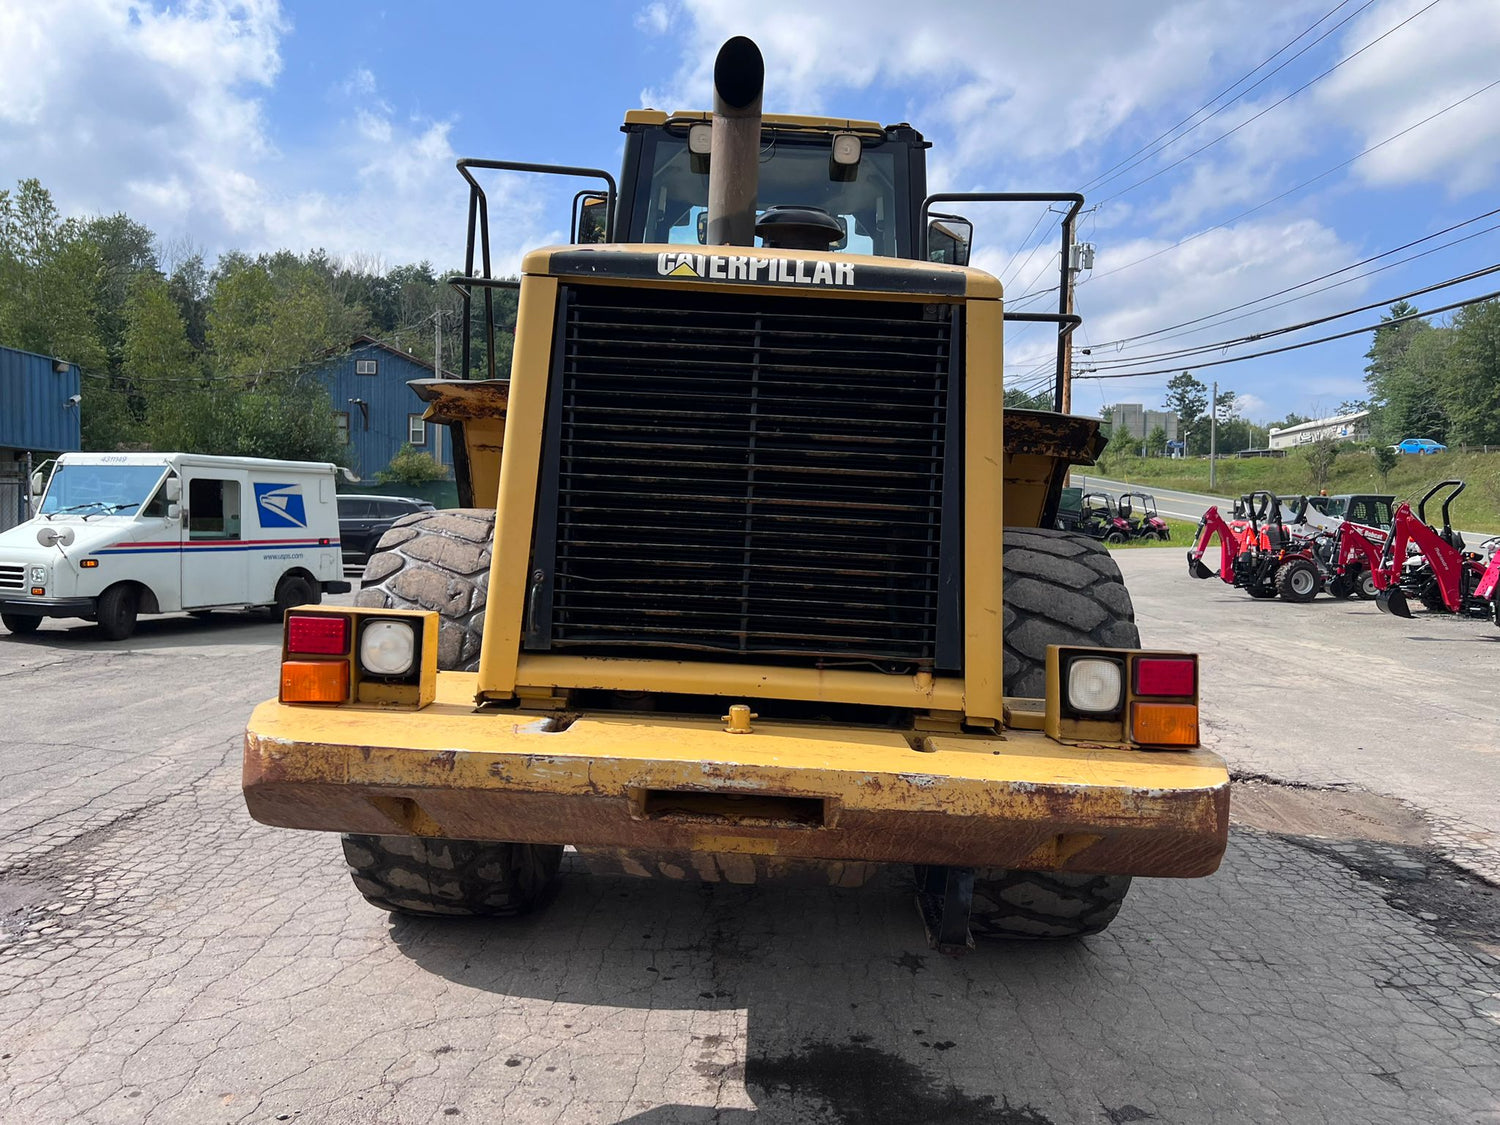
(746,478)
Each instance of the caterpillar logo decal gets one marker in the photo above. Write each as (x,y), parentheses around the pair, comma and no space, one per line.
(698,267)
(740,267)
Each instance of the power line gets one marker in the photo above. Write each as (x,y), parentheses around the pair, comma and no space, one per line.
(1273,105)
(1292,190)
(1324,277)
(1306,343)
(1221,345)
(1105,176)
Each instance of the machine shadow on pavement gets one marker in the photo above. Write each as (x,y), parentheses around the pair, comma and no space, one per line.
(827,1005)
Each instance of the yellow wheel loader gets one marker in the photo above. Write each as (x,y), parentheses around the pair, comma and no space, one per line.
(755,576)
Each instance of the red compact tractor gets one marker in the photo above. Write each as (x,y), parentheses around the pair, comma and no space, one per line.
(1443,574)
(1263,556)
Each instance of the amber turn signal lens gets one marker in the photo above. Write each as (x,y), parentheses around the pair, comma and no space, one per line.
(314,681)
(1164,724)
(89,564)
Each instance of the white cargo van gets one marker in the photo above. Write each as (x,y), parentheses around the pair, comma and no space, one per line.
(120,534)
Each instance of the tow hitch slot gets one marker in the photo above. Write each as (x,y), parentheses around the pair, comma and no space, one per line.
(740,810)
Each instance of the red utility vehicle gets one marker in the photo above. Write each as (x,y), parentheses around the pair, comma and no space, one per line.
(1444,575)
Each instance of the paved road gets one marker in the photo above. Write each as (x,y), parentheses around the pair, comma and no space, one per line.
(165,959)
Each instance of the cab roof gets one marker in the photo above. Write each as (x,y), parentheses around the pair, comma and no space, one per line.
(769,120)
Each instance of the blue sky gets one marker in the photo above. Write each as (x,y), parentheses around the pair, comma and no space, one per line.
(257,125)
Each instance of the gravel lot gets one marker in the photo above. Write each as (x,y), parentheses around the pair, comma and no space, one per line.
(165,959)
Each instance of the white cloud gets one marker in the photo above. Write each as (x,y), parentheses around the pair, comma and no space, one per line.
(1439,57)
(654,19)
(158,112)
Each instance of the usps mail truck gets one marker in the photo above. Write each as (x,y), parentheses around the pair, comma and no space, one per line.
(121,534)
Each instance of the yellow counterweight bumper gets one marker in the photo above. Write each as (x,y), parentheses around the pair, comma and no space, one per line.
(681,785)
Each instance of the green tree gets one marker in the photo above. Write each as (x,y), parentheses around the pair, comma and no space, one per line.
(1467,374)
(1320,457)
(1385,461)
(411,466)
(1401,377)
(158,362)
(1156,442)
(1188,399)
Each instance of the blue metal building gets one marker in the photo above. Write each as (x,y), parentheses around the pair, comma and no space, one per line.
(376,411)
(39,405)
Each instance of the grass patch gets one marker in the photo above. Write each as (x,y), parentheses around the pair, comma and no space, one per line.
(1183,535)
(1478,509)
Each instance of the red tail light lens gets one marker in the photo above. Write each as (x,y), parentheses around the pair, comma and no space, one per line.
(1166,676)
(324,635)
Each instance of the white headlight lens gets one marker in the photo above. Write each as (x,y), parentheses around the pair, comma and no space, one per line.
(1095,686)
(39,576)
(387,648)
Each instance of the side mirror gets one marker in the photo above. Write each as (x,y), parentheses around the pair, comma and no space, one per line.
(173,489)
(948,240)
(58,537)
(174,510)
(38,483)
(591,212)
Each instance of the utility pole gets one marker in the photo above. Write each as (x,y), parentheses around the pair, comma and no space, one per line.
(437,370)
(1213,437)
(1080,257)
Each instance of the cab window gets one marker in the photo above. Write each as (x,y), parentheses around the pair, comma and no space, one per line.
(213,509)
(670,205)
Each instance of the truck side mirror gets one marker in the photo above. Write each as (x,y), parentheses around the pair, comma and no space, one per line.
(589,225)
(38,483)
(173,489)
(174,510)
(948,240)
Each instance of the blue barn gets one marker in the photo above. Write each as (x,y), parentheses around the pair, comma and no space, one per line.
(376,411)
(40,401)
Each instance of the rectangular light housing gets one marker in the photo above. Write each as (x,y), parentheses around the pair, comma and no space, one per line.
(1121,697)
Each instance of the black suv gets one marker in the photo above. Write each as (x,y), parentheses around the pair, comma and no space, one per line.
(364,519)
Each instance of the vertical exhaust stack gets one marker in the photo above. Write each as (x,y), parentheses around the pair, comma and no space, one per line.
(734,161)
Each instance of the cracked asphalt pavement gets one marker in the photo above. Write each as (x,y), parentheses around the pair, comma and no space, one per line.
(165,959)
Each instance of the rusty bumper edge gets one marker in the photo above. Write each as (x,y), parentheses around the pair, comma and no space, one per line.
(808,793)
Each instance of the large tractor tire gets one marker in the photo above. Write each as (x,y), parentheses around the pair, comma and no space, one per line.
(1041,905)
(1297,580)
(440,561)
(432,878)
(1060,589)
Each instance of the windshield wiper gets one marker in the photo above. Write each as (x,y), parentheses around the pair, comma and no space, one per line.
(76,508)
(111,509)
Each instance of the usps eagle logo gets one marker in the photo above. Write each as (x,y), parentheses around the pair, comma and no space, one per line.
(280,505)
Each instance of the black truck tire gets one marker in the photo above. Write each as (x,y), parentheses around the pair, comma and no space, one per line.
(1060,588)
(431,877)
(116,611)
(1297,580)
(440,561)
(21,624)
(1044,905)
